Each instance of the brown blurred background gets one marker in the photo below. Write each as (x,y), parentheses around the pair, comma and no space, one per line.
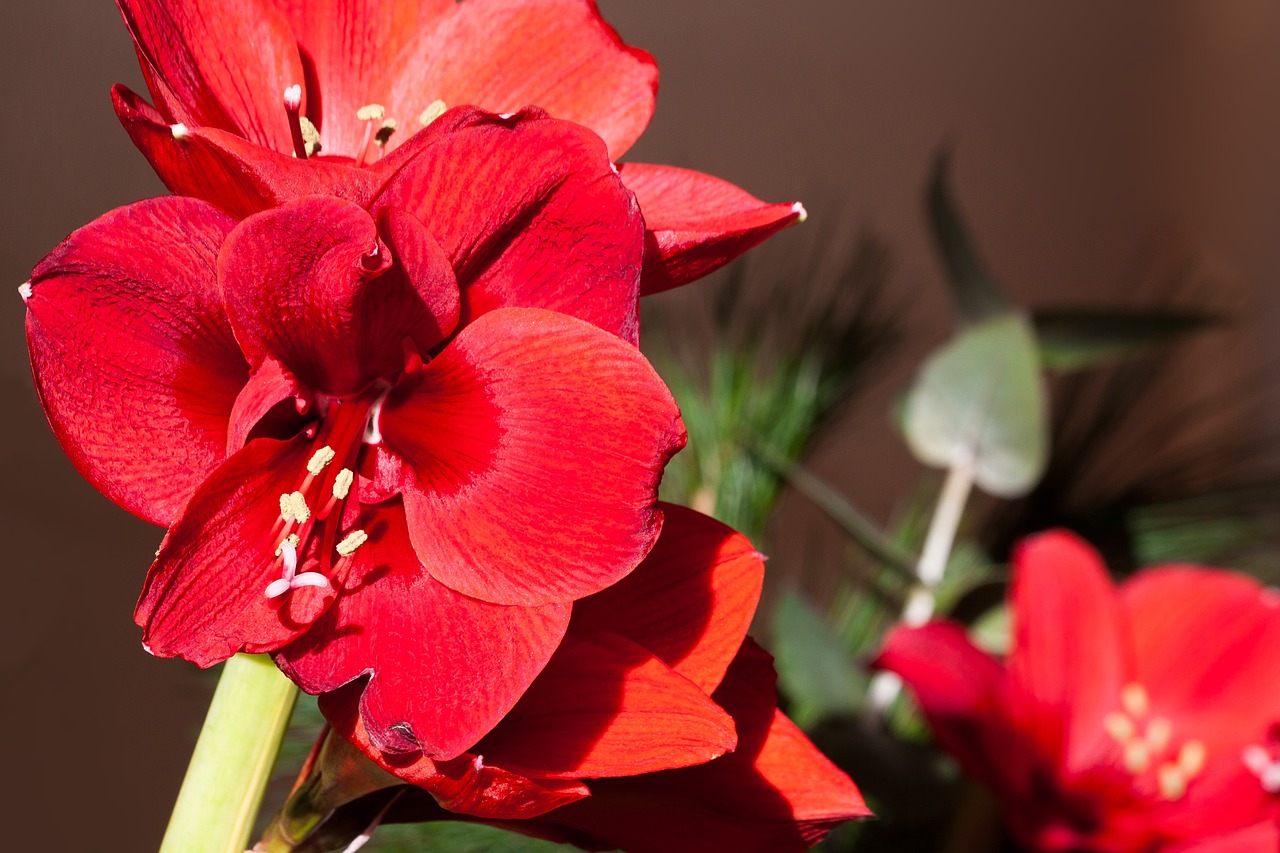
(1097,145)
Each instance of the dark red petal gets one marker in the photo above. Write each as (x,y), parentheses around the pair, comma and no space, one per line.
(132,353)
(218,64)
(536,443)
(557,54)
(311,284)
(205,596)
(269,386)
(466,784)
(696,223)
(238,176)
(529,212)
(1070,655)
(353,51)
(445,668)
(963,692)
(690,602)
(606,707)
(774,794)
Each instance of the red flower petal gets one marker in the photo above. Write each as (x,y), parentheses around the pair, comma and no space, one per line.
(132,353)
(1069,658)
(557,54)
(309,283)
(689,603)
(238,176)
(528,211)
(466,784)
(218,64)
(606,707)
(269,386)
(445,668)
(205,596)
(536,443)
(696,223)
(775,793)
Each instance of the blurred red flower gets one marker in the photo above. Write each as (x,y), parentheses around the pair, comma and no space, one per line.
(240,86)
(377,452)
(612,746)
(1137,719)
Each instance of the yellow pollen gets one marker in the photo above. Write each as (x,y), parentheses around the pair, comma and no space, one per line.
(1133,698)
(298,506)
(351,542)
(1191,758)
(1173,785)
(433,111)
(384,133)
(310,136)
(371,112)
(1159,731)
(342,483)
(293,539)
(1137,756)
(319,460)
(1118,726)
(286,507)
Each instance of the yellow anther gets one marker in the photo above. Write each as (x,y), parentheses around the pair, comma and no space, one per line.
(1191,758)
(384,132)
(298,507)
(1137,756)
(1159,731)
(310,136)
(319,460)
(286,507)
(351,542)
(1133,698)
(1173,784)
(371,112)
(293,539)
(1119,726)
(342,483)
(433,111)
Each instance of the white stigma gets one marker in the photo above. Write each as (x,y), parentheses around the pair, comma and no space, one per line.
(178,130)
(293,98)
(351,542)
(342,483)
(319,460)
(289,553)
(24,290)
(799,210)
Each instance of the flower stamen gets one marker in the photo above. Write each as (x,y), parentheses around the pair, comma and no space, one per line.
(293,107)
(434,110)
(351,542)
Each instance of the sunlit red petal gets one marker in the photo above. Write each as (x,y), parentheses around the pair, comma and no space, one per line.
(697,223)
(536,444)
(132,353)
(690,602)
(311,284)
(218,64)
(530,213)
(204,598)
(606,707)
(444,668)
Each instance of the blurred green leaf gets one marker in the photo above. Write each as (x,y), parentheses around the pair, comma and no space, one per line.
(814,668)
(976,294)
(449,837)
(981,400)
(1080,339)
(991,631)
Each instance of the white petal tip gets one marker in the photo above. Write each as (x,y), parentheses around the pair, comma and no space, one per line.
(24,290)
(178,130)
(800,212)
(147,649)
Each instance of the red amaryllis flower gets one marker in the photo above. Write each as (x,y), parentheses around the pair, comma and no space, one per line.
(1136,719)
(369,451)
(365,76)
(612,746)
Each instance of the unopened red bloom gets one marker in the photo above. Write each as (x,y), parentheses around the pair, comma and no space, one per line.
(233,81)
(1137,719)
(379,454)
(615,744)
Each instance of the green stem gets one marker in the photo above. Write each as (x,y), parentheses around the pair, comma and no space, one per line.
(228,773)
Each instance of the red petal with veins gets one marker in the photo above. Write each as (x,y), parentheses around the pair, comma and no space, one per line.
(218,64)
(205,596)
(311,284)
(445,668)
(689,603)
(269,386)
(605,706)
(696,223)
(132,353)
(536,443)
(1069,658)
(529,212)
(225,170)
(466,784)
(503,55)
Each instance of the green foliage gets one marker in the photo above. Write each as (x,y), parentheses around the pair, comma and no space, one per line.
(446,837)
(814,666)
(976,295)
(1080,339)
